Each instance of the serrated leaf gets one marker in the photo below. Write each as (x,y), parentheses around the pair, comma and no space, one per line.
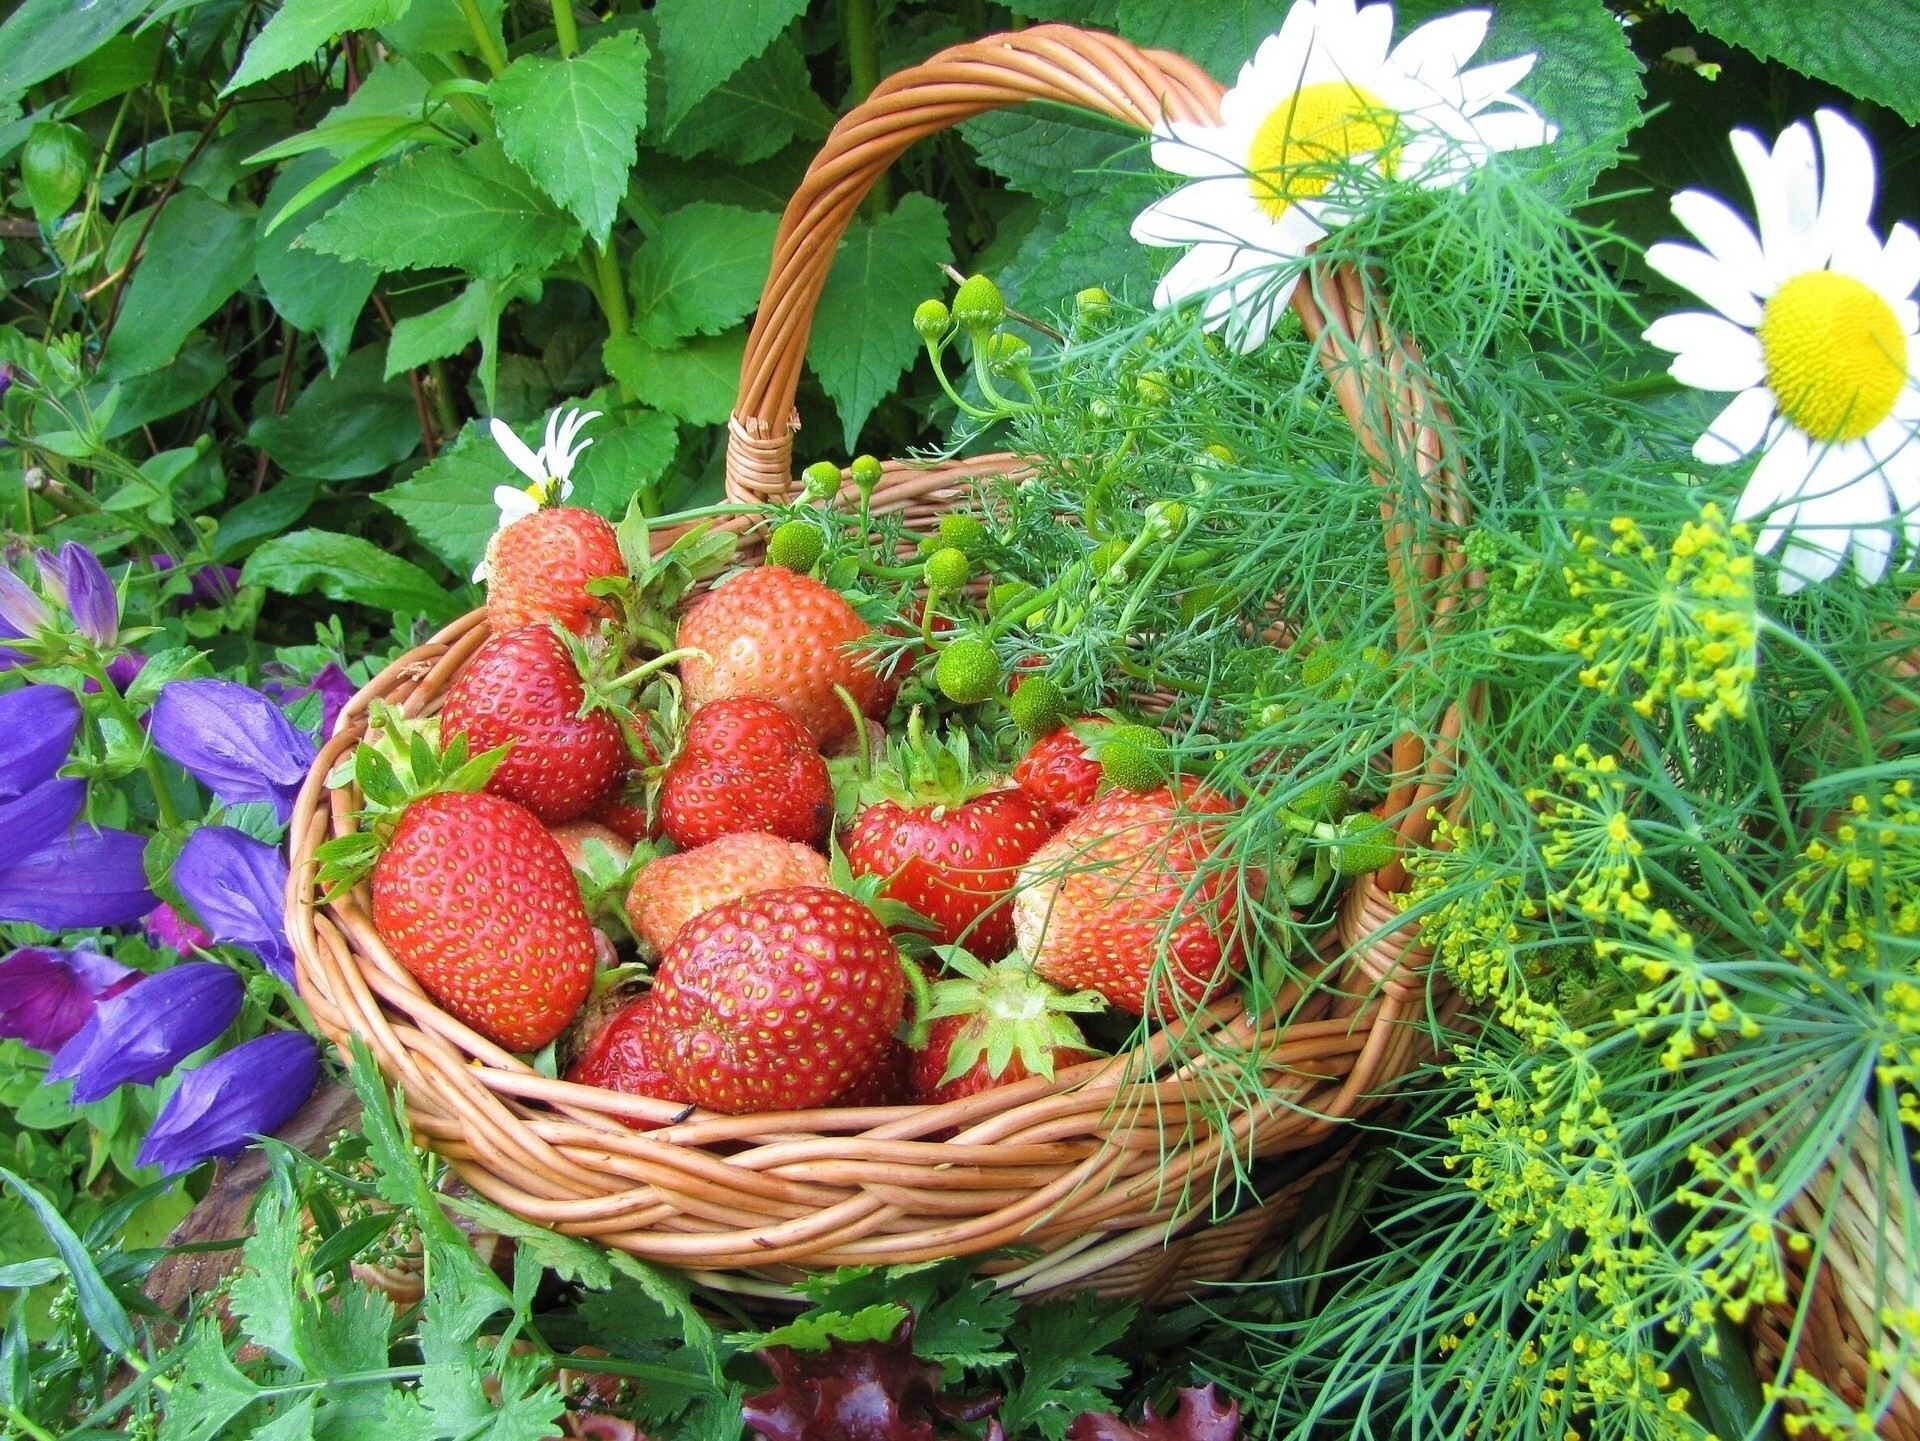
(472,315)
(1057,158)
(474,210)
(816,1330)
(209,1391)
(261,1294)
(705,41)
(572,124)
(863,337)
(755,112)
(1085,243)
(300,27)
(1062,1372)
(1870,50)
(696,381)
(345,425)
(197,255)
(701,272)
(293,1424)
(348,568)
(624,459)
(440,27)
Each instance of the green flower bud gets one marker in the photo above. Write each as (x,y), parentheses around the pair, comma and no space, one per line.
(795,544)
(1134,757)
(1007,355)
(1039,706)
(1323,663)
(1272,713)
(1165,517)
(1100,408)
(866,473)
(1326,800)
(822,480)
(947,569)
(1106,558)
(1151,387)
(1366,844)
(1006,595)
(968,671)
(1092,305)
(962,531)
(979,305)
(931,319)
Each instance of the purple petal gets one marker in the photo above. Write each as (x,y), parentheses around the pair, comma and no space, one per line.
(146,1031)
(20,608)
(124,668)
(91,599)
(37,727)
(6,379)
(233,740)
(238,887)
(217,1108)
(46,996)
(167,927)
(87,877)
(336,688)
(42,816)
(214,585)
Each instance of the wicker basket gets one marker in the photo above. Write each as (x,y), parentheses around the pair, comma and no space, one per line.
(1107,1176)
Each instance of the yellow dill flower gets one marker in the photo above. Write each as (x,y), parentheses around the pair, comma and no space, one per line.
(1590,831)
(1675,627)
(1738,1244)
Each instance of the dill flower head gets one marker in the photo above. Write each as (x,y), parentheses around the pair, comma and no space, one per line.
(1675,626)
(1590,832)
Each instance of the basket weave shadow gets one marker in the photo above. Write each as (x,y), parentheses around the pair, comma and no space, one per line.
(1106,1176)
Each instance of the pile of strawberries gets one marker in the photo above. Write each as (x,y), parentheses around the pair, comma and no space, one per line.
(927,932)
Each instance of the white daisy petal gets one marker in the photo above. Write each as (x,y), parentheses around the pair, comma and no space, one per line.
(1203,152)
(1515,129)
(1727,237)
(1900,262)
(1737,429)
(1807,560)
(1206,212)
(1484,84)
(1796,186)
(1777,479)
(1902,472)
(1712,353)
(1717,284)
(524,460)
(1369,37)
(1440,47)
(1872,549)
(1846,182)
(514,504)
(547,446)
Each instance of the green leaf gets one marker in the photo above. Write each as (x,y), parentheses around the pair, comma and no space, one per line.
(705,41)
(262,1294)
(1220,37)
(623,460)
(271,512)
(475,211)
(756,111)
(448,502)
(1061,1371)
(345,425)
(1868,50)
(347,568)
(472,315)
(696,381)
(573,124)
(44,37)
(816,1330)
(199,253)
(863,338)
(320,294)
(701,272)
(209,1391)
(1084,244)
(458,1405)
(439,27)
(1058,157)
(300,27)
(143,399)
(293,1424)
(99,1307)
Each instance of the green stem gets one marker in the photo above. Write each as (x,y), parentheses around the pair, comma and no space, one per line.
(149,760)
(612,289)
(1862,735)
(490,51)
(1015,613)
(860,33)
(659,662)
(680,517)
(18,1418)
(565,29)
(442,394)
(940,374)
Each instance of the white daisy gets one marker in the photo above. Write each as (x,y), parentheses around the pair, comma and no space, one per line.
(1323,103)
(549,470)
(1818,331)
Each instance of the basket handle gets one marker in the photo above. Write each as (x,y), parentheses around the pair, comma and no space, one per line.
(1084,68)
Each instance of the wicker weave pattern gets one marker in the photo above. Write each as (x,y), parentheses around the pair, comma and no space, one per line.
(1094,1170)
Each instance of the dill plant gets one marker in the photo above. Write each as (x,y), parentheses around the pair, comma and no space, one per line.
(1677,838)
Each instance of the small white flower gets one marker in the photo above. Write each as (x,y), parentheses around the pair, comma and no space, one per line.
(1321,103)
(1818,332)
(549,470)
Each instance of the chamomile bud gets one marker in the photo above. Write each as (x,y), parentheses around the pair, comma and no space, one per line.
(962,531)
(1092,305)
(866,472)
(1104,563)
(795,544)
(931,319)
(822,480)
(1165,517)
(968,671)
(1007,355)
(947,569)
(1366,844)
(1134,758)
(978,305)
(1151,387)
(1038,706)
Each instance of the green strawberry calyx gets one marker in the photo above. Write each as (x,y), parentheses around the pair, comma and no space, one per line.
(920,770)
(1010,1013)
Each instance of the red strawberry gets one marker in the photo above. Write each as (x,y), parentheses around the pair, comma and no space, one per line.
(1116,888)
(538,567)
(574,835)
(523,688)
(888,1083)
(946,844)
(1058,771)
(626,819)
(746,765)
(476,900)
(771,632)
(621,1057)
(994,1025)
(778,1001)
(673,890)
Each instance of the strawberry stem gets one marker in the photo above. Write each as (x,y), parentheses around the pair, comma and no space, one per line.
(919,1002)
(658,663)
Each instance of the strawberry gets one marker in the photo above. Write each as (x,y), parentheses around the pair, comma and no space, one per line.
(1059,771)
(625,818)
(889,1082)
(538,567)
(994,1025)
(773,633)
(746,765)
(476,900)
(574,835)
(523,689)
(673,890)
(622,1057)
(946,844)
(1122,884)
(778,1001)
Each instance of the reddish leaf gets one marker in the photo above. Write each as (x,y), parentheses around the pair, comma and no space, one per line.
(869,1391)
(1199,1416)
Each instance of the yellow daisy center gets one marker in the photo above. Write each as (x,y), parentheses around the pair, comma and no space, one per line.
(1302,144)
(1835,354)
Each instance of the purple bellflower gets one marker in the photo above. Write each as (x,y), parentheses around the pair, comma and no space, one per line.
(24,612)
(46,996)
(121,670)
(6,379)
(42,816)
(219,1107)
(146,1031)
(82,583)
(37,727)
(234,740)
(85,876)
(167,927)
(9,657)
(332,684)
(209,584)
(238,886)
